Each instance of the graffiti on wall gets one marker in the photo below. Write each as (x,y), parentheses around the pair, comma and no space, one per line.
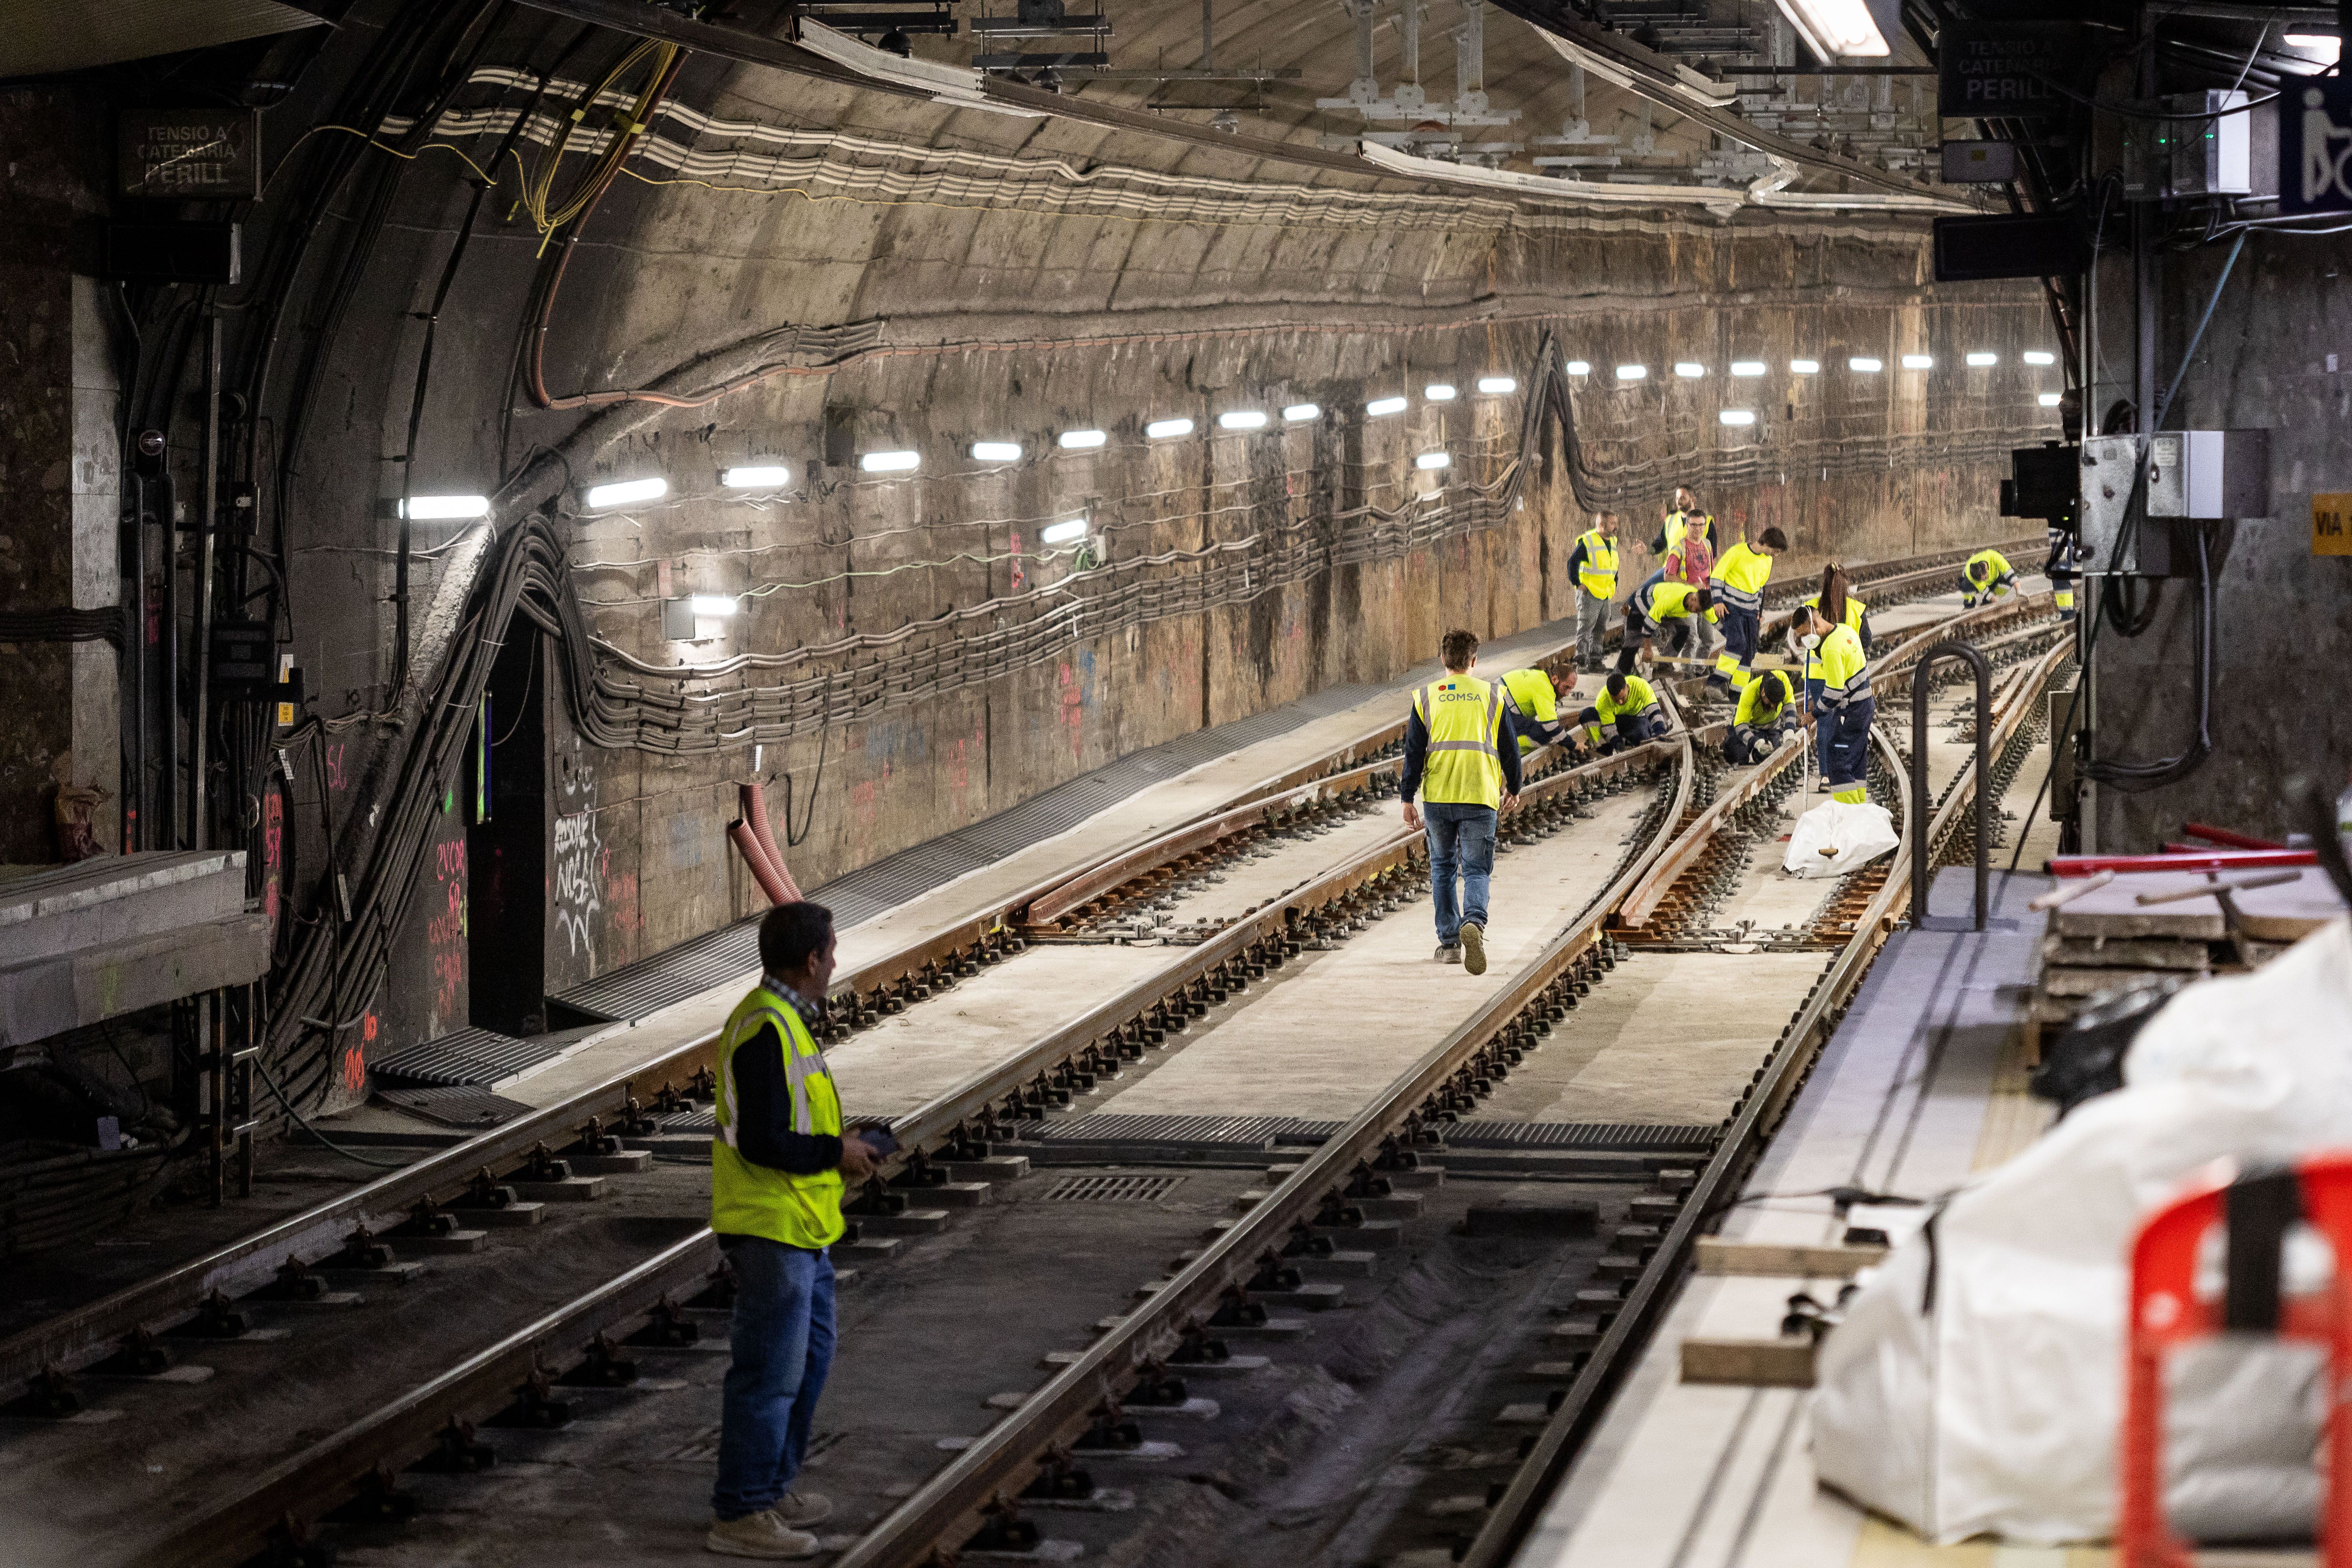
(576,891)
(445,937)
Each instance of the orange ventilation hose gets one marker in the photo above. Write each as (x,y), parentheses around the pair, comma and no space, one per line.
(748,846)
(755,812)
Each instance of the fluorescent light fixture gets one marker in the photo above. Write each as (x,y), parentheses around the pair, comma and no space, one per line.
(444,508)
(996,451)
(1298,412)
(711,604)
(1804,367)
(2327,46)
(1429,460)
(1918,361)
(1167,429)
(1063,532)
(1380,408)
(1241,419)
(1737,416)
(1981,360)
(1439,391)
(1689,370)
(2049,399)
(890,462)
(1081,440)
(1579,367)
(1496,386)
(1866,366)
(1832,28)
(1748,367)
(757,477)
(627,493)
(1632,372)
(2039,356)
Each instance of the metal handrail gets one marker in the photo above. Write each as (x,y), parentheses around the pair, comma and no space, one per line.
(1921,869)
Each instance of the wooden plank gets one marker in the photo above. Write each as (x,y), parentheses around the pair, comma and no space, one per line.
(1788,1260)
(1754,1363)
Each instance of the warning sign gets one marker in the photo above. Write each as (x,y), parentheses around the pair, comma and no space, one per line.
(2331,524)
(2004,68)
(2315,147)
(191,154)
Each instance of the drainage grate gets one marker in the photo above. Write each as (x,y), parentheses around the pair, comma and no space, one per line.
(1112,1189)
(459,1105)
(478,1059)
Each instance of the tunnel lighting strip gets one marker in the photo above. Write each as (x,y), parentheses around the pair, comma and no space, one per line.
(1865,365)
(1632,372)
(1918,361)
(1168,430)
(1498,386)
(1579,367)
(626,492)
(757,477)
(1432,460)
(996,451)
(1081,440)
(1241,419)
(1297,412)
(1063,532)
(1689,370)
(1381,407)
(2039,356)
(1804,367)
(713,604)
(1737,416)
(1981,360)
(2050,399)
(890,462)
(1438,391)
(445,509)
(1746,367)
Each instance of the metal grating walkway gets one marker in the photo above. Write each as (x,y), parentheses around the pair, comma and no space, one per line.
(1266,1132)
(634,990)
(1113,1189)
(477,1058)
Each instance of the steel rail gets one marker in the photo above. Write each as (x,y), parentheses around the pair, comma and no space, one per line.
(1758,1115)
(402,1430)
(944,1511)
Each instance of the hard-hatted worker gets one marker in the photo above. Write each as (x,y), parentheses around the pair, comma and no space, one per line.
(1766,715)
(2064,570)
(1840,695)
(778,1163)
(1455,759)
(1625,713)
(1593,566)
(1654,606)
(1736,585)
(1531,709)
(1985,577)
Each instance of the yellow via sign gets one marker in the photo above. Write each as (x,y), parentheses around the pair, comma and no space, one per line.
(2331,524)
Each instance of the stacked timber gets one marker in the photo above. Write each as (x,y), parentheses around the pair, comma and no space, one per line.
(2143,927)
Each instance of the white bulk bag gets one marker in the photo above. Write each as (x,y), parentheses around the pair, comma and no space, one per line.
(1852,836)
(1991,1402)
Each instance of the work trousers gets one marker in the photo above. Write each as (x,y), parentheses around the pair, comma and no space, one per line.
(1592,623)
(782,1340)
(1749,744)
(1632,730)
(1461,843)
(1741,629)
(1844,735)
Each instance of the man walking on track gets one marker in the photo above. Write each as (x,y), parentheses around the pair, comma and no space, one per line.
(1458,758)
(778,1163)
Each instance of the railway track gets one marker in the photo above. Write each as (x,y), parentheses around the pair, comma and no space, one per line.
(1198,965)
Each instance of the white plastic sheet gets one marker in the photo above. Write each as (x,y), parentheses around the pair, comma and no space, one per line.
(1834,838)
(1988,1401)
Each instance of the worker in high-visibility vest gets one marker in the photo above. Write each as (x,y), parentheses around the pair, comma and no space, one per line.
(1593,566)
(1684,518)
(1531,709)
(1767,716)
(2064,569)
(1626,712)
(1857,615)
(779,1161)
(1985,577)
(1654,606)
(1736,585)
(1840,695)
(1456,761)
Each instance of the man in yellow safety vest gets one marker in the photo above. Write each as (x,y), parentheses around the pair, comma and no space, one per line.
(779,1160)
(1593,564)
(1531,710)
(1456,761)
(1985,577)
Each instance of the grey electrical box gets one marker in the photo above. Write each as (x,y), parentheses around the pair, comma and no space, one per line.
(2210,474)
(2212,156)
(1980,162)
(677,620)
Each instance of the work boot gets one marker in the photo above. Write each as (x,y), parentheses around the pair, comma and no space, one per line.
(1449,953)
(1474,947)
(760,1534)
(801,1509)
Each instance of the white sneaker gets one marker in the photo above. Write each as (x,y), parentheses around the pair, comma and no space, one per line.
(760,1534)
(801,1509)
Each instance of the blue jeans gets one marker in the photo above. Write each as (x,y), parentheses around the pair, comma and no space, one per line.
(783,1341)
(1460,842)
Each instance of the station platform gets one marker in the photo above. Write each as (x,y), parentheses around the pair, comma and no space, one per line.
(1923,1085)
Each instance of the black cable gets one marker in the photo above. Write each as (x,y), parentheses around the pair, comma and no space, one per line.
(325,1141)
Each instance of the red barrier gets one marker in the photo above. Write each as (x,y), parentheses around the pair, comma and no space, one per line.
(2229,840)
(2199,860)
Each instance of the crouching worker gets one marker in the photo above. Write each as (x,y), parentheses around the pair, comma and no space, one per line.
(1985,577)
(1531,709)
(1767,717)
(778,1163)
(1656,605)
(1625,714)
(1838,687)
